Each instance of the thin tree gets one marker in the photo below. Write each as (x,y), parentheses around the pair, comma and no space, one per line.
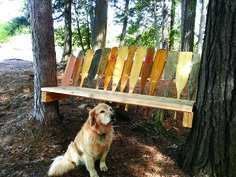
(44,59)
(210,149)
(125,21)
(156,25)
(172,22)
(68,33)
(201,27)
(165,25)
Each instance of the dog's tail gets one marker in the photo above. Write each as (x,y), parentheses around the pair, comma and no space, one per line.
(63,164)
(60,166)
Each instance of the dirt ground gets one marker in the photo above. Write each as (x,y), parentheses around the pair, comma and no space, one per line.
(27,147)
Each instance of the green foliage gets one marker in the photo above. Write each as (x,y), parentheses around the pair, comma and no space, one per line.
(59,36)
(146,38)
(4,37)
(14,26)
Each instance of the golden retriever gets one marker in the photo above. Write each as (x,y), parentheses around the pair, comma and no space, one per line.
(92,142)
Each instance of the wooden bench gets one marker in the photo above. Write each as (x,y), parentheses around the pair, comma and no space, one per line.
(130,64)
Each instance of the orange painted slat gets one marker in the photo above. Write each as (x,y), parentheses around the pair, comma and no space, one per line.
(78,66)
(110,66)
(68,71)
(157,69)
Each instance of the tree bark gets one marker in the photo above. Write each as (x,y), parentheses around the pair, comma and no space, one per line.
(201,27)
(172,22)
(156,25)
(99,31)
(165,25)
(68,33)
(44,59)
(78,28)
(187,36)
(126,14)
(210,149)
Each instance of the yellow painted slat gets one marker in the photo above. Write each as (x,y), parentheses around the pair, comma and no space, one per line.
(119,66)
(135,70)
(86,65)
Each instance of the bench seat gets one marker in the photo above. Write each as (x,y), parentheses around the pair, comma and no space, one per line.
(56,93)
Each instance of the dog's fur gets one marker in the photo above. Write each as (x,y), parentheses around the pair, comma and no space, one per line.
(91,143)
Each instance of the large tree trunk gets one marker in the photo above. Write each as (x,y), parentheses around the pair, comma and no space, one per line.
(210,149)
(125,21)
(68,33)
(165,25)
(187,36)
(201,27)
(44,59)
(99,31)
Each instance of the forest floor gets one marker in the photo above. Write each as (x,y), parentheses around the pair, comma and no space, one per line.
(27,147)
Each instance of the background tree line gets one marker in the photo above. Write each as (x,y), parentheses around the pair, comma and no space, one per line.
(159,23)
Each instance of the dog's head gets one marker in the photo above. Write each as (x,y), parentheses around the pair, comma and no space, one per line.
(101,114)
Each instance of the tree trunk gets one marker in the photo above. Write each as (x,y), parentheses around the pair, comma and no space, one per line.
(188,27)
(78,28)
(183,2)
(156,25)
(210,149)
(68,33)
(165,25)
(99,31)
(201,27)
(44,59)
(126,14)
(172,22)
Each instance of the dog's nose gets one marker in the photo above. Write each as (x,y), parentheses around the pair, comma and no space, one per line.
(113,117)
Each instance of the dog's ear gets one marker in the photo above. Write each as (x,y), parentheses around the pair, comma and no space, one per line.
(92,118)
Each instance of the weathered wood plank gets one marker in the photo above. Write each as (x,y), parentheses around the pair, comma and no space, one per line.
(127,98)
(69,71)
(94,67)
(86,65)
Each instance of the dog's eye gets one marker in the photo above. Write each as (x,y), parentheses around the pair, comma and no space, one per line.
(111,110)
(102,111)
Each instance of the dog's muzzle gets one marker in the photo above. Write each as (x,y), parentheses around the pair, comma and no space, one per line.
(112,117)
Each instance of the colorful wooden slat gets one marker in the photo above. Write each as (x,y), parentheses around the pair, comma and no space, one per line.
(78,66)
(193,79)
(103,64)
(86,65)
(127,68)
(68,71)
(93,68)
(110,66)
(146,67)
(157,69)
(182,72)
(170,70)
(135,71)
(119,66)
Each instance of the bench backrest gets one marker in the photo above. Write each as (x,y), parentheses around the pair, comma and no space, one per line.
(123,63)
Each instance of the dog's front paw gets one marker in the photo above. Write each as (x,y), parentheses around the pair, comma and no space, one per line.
(103,167)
